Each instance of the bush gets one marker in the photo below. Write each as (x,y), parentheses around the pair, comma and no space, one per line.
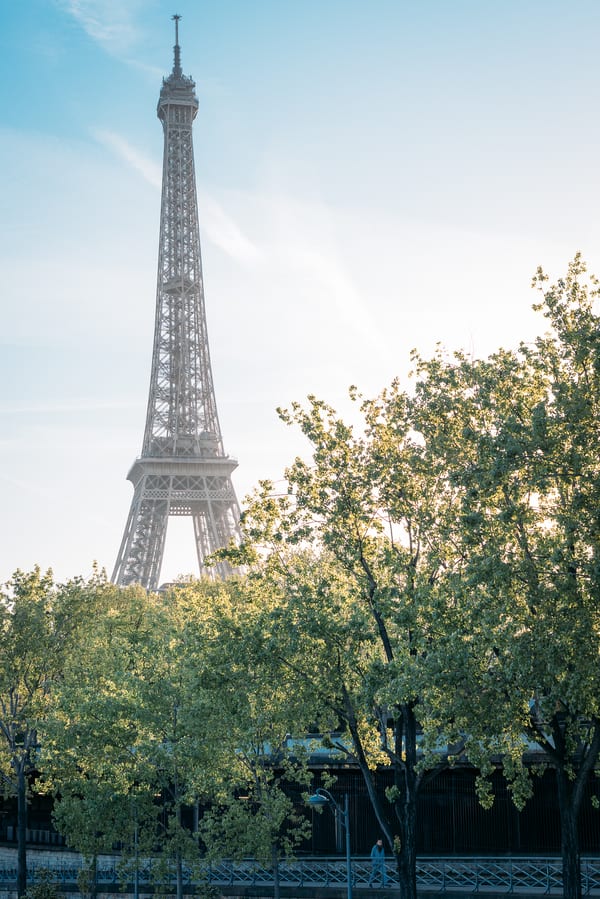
(45,886)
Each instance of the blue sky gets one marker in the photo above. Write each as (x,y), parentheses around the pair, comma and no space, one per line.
(372,177)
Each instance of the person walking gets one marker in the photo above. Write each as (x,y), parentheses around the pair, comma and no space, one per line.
(378,864)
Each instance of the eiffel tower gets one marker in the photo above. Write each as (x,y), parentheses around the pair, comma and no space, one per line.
(183,468)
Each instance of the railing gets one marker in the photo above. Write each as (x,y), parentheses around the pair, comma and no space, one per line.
(530,875)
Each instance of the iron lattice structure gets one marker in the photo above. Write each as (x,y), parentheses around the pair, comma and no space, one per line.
(183,468)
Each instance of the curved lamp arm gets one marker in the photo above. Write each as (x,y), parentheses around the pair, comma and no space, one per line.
(323,797)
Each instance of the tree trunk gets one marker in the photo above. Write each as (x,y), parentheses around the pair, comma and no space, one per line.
(405,860)
(407,813)
(178,858)
(136,853)
(21,831)
(179,866)
(569,837)
(406,787)
(93,889)
(275,866)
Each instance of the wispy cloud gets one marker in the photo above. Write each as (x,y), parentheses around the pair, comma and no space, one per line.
(155,71)
(111,23)
(217,226)
(146,167)
(305,241)
(337,285)
(225,233)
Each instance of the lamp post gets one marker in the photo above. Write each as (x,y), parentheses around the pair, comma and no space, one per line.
(323,797)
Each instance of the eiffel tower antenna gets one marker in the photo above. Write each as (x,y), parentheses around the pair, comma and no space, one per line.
(176,50)
(183,468)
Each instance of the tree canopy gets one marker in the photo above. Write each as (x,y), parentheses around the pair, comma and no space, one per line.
(445,561)
(424,588)
(519,435)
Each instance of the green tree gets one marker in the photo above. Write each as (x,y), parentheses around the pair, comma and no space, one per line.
(38,625)
(127,753)
(173,703)
(255,704)
(520,436)
(45,886)
(358,546)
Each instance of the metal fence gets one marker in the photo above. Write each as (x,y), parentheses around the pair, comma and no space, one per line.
(444,875)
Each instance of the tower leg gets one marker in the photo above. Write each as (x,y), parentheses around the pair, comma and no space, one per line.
(214,527)
(141,551)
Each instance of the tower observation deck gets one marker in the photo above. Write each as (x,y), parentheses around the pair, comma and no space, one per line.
(183,468)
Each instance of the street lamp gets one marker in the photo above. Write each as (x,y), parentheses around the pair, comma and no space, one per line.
(323,797)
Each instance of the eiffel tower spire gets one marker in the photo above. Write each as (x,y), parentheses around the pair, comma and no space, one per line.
(183,468)
(176,50)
